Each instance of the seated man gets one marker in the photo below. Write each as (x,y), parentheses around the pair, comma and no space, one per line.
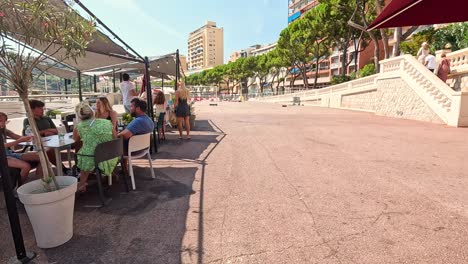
(18,160)
(45,125)
(142,124)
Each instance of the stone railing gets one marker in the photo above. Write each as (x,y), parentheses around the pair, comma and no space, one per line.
(427,85)
(458,78)
(458,60)
(330,96)
(404,88)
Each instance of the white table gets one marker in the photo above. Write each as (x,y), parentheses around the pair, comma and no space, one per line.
(58,145)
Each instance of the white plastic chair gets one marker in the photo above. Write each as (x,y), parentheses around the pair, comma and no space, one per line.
(139,146)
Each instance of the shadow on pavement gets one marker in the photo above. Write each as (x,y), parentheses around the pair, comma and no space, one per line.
(143,226)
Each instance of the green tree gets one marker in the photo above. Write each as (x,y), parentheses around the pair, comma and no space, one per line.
(38,22)
(295,44)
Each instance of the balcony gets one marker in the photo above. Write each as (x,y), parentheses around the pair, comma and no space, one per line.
(335,65)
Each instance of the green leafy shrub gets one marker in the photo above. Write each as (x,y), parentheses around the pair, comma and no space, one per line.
(52,113)
(126,118)
(367,70)
(337,79)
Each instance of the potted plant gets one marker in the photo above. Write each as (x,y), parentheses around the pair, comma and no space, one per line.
(49,202)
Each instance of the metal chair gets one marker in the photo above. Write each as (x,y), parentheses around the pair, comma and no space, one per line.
(139,146)
(106,151)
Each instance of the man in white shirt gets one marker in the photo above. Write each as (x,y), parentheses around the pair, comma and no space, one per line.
(128,92)
(430,62)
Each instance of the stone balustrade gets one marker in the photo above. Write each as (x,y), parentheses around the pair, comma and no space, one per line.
(404,88)
(458,60)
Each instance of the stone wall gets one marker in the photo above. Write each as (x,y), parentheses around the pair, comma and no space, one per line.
(395,98)
(366,101)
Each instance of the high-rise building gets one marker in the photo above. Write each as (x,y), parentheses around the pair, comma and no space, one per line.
(205,47)
(297,8)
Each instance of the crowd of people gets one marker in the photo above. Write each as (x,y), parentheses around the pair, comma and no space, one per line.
(441,69)
(96,125)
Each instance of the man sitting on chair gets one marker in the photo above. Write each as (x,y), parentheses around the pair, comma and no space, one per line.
(46,128)
(142,124)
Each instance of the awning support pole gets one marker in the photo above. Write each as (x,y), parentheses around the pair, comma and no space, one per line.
(149,100)
(21,255)
(95,84)
(113,80)
(177,77)
(80,94)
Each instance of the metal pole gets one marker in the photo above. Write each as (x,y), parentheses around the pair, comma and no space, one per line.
(80,95)
(66,86)
(95,84)
(177,70)
(113,80)
(21,255)
(149,100)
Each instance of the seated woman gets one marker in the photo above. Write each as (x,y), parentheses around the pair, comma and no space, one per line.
(104,111)
(18,160)
(160,107)
(91,132)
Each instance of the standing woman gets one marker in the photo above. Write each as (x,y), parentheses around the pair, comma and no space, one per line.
(104,111)
(182,109)
(423,52)
(443,69)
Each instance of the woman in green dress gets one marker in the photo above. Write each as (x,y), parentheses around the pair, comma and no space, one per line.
(91,132)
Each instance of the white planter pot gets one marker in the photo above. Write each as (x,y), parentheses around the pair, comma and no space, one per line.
(50,213)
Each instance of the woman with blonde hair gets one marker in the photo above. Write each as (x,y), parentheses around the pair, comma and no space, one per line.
(91,131)
(104,111)
(182,109)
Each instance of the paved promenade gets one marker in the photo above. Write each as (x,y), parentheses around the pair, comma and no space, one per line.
(259,183)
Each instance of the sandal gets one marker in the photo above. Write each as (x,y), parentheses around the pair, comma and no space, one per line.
(81,188)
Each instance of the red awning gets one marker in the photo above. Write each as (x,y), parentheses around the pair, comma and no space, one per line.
(400,13)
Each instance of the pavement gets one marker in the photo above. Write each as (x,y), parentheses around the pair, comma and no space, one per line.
(261,183)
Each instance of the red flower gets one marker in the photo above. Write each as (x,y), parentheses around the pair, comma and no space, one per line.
(45,24)
(2,14)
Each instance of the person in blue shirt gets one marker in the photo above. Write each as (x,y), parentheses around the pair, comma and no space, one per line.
(142,124)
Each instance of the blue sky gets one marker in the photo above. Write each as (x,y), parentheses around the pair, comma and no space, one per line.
(156,27)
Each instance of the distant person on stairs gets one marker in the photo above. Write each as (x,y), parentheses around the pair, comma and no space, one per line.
(423,52)
(443,70)
(430,62)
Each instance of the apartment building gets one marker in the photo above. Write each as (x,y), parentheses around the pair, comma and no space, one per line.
(263,49)
(243,53)
(297,8)
(205,47)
